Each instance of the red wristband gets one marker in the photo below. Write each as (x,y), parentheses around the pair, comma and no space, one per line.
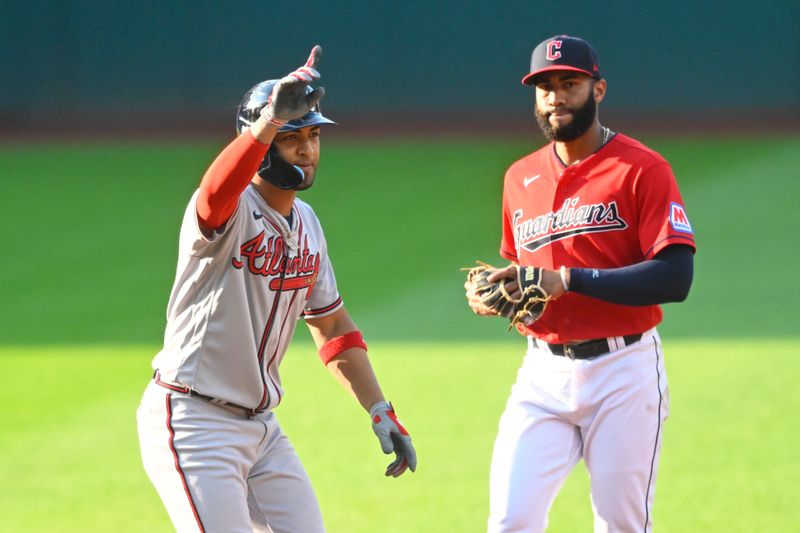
(337,345)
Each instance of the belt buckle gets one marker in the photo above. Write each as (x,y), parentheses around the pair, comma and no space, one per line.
(569,351)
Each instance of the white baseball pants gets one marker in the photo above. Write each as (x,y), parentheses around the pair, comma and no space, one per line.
(219,471)
(608,411)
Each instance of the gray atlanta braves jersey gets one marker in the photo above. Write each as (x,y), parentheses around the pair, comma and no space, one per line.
(237,298)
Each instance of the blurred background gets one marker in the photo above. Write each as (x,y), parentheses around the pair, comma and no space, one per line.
(180,67)
(110,112)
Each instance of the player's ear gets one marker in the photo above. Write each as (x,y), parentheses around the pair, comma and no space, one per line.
(599,90)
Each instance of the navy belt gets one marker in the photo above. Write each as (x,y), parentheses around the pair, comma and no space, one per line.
(194,394)
(590,348)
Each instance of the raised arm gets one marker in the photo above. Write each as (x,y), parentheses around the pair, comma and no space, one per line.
(235,166)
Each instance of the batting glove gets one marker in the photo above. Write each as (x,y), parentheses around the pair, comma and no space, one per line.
(393,438)
(290,98)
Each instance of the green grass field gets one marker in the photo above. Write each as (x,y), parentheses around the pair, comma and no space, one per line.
(88,259)
(70,463)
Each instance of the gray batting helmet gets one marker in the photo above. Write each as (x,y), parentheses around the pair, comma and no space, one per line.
(256,98)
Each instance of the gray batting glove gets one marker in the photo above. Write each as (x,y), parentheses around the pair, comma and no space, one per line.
(393,438)
(290,98)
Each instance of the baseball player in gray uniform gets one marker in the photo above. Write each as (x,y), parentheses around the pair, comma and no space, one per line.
(252,261)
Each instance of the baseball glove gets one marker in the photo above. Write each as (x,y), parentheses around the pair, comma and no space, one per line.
(525,309)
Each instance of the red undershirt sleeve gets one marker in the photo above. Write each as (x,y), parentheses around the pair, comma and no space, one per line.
(227,178)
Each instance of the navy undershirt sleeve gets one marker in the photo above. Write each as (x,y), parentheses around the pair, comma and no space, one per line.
(665,278)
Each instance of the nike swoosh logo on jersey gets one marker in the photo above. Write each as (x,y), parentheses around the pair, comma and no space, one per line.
(257,215)
(527,181)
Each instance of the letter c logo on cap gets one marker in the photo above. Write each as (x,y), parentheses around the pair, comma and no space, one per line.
(552,50)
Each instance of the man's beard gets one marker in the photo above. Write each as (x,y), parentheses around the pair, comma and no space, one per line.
(582,119)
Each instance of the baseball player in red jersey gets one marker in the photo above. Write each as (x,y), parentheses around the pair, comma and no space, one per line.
(602,214)
(252,261)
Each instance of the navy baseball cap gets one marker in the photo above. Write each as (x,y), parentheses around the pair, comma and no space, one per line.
(563,52)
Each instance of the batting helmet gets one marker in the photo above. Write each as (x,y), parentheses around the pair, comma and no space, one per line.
(256,98)
(275,169)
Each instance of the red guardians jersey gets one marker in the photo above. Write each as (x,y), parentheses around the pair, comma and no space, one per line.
(617,207)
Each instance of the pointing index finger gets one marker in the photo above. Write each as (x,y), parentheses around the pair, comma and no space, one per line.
(314,57)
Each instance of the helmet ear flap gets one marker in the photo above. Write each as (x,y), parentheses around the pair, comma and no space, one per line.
(279,172)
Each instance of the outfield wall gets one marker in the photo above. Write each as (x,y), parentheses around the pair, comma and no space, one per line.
(98,62)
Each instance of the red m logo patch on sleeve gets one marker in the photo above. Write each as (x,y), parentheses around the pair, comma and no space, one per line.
(678,219)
